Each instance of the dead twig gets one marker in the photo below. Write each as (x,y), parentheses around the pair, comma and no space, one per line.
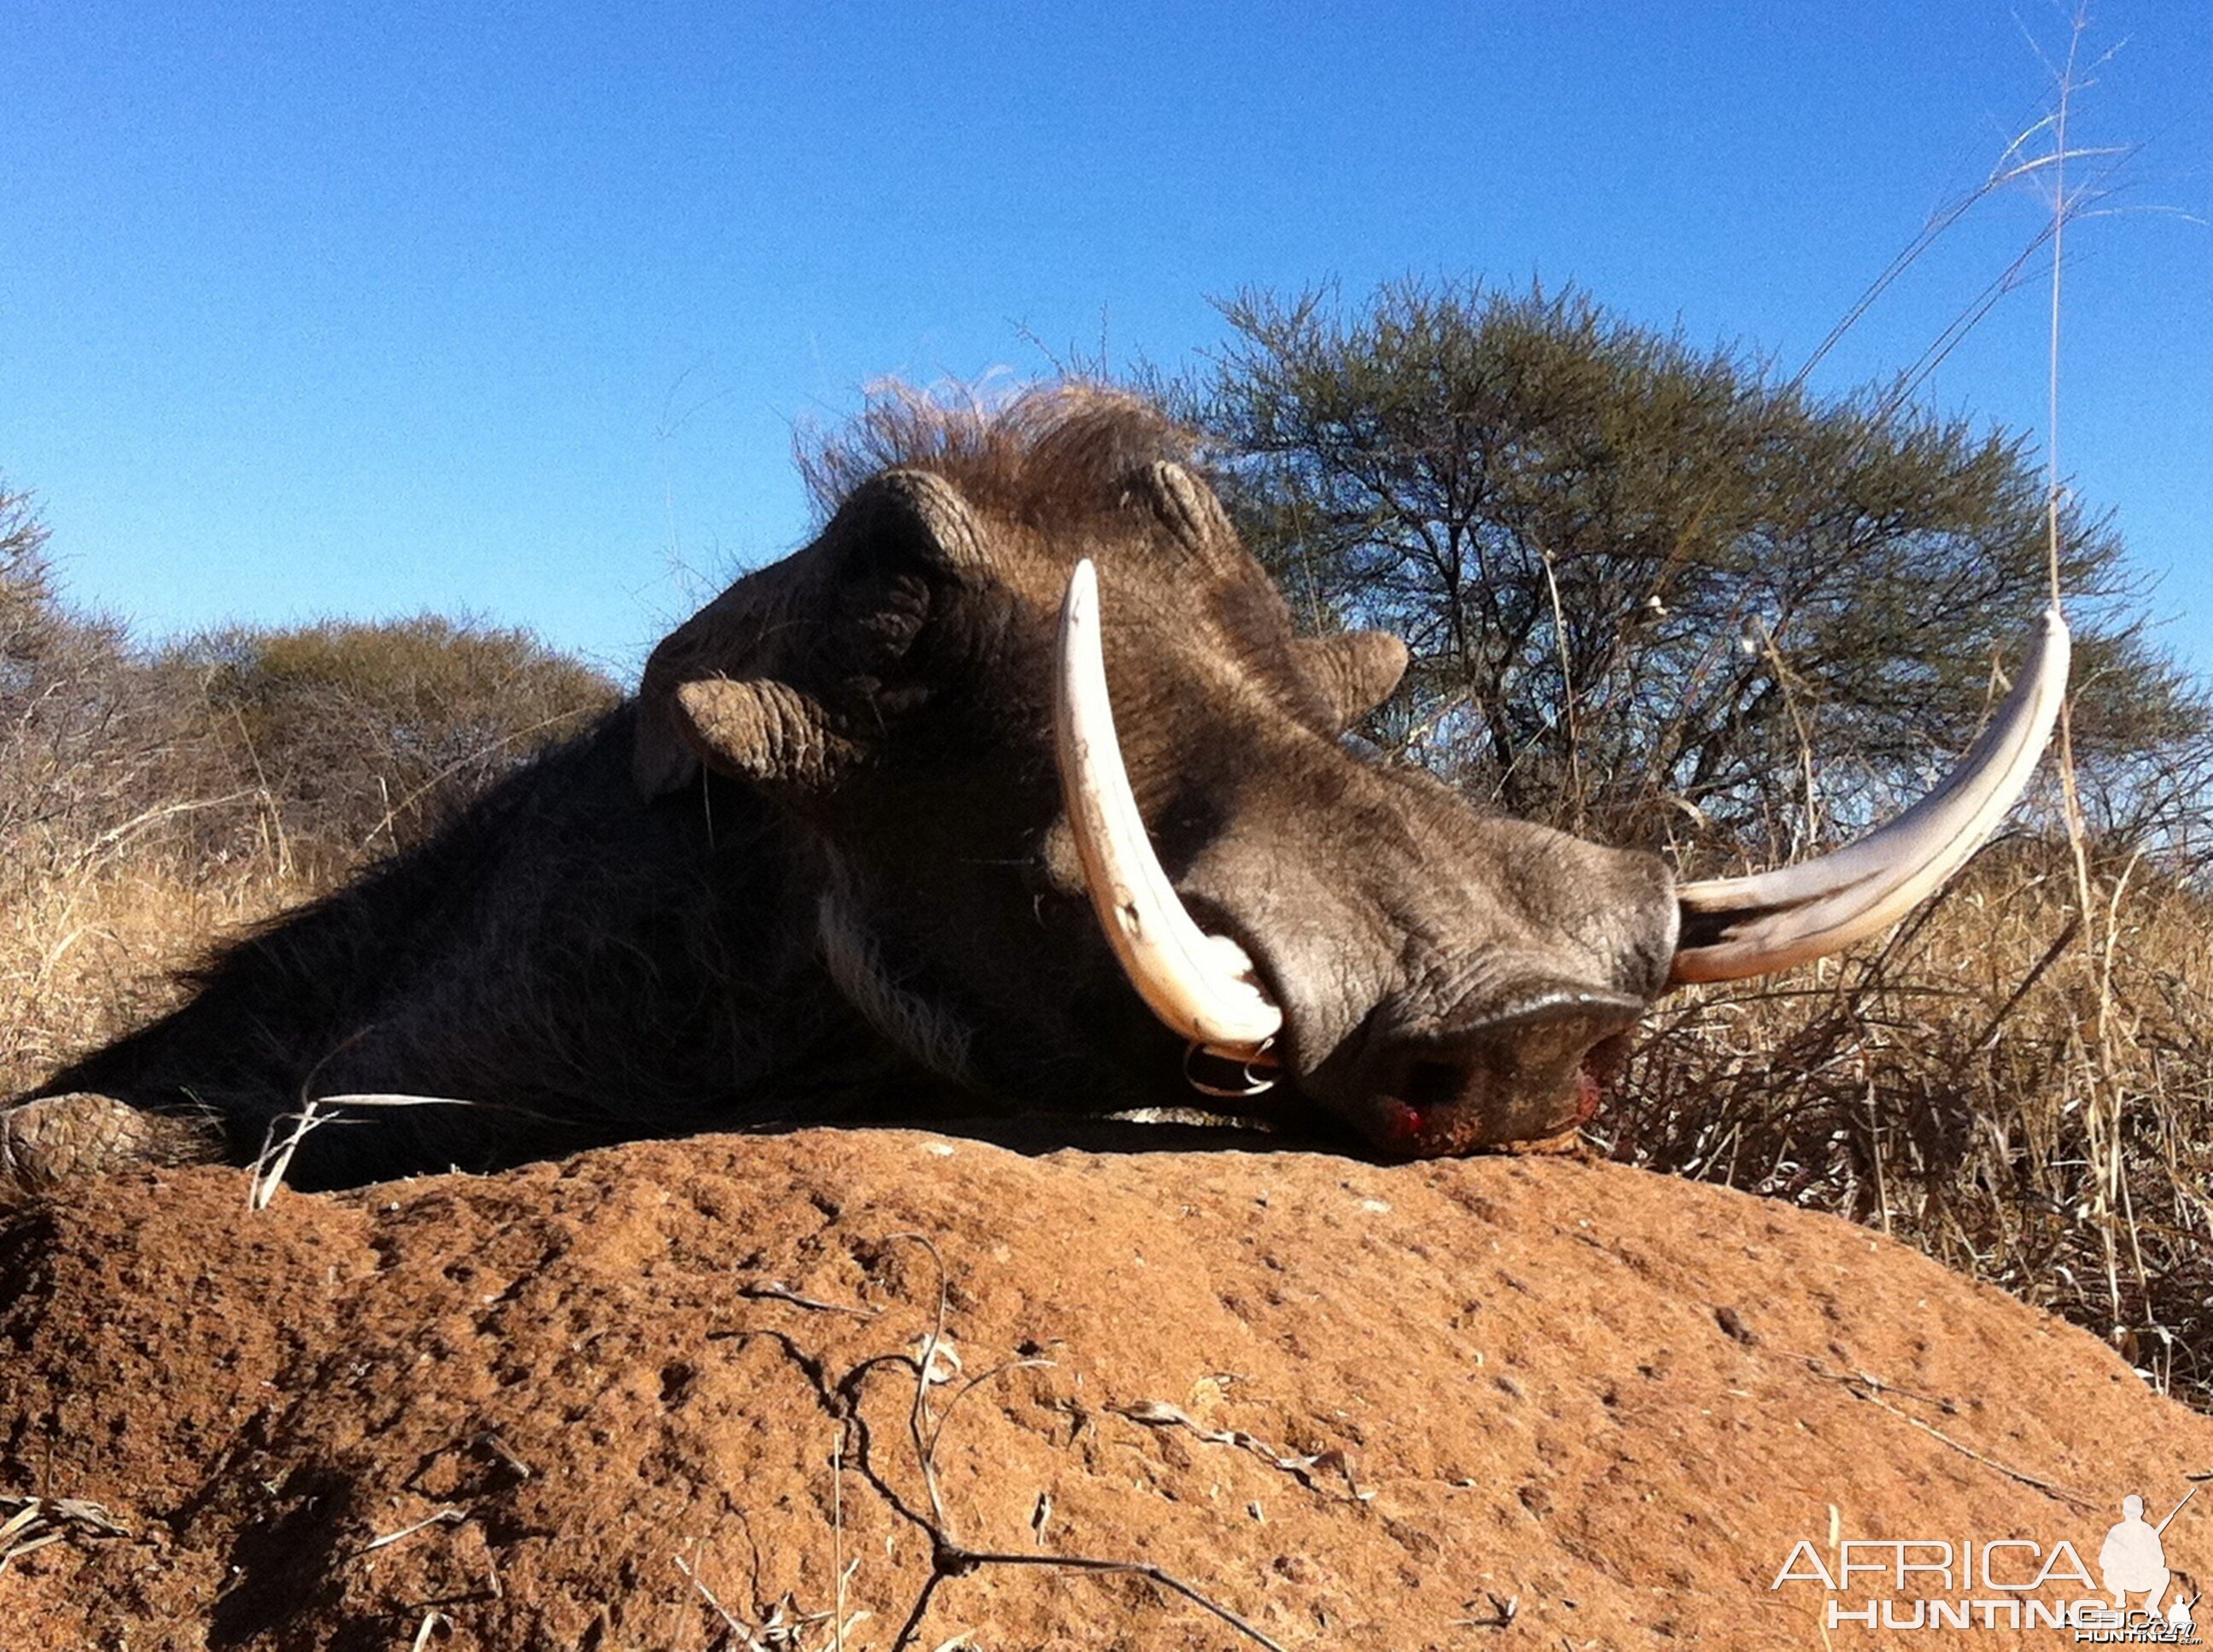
(1154,1413)
(269,1166)
(935,1362)
(1504,1611)
(1862,1386)
(493,1446)
(969,1559)
(32,1523)
(1983,1040)
(782,1628)
(443,1517)
(775,1290)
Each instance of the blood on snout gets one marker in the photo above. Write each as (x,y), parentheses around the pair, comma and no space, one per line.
(1402,1125)
(1601,1070)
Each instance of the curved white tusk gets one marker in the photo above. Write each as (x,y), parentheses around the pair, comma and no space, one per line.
(1202,986)
(1736,926)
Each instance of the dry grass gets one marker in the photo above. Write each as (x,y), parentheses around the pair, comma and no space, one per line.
(2020,1082)
(86,950)
(151,802)
(2025,1096)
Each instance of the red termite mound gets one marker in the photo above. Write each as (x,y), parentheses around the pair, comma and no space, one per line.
(1495,1402)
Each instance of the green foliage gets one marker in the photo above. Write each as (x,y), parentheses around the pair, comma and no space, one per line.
(1649,590)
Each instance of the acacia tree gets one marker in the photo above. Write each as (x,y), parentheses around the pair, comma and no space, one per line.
(1648,588)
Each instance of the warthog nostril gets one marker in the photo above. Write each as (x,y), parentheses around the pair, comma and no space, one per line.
(1433,1084)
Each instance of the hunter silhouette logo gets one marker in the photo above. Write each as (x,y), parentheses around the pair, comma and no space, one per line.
(2133,1560)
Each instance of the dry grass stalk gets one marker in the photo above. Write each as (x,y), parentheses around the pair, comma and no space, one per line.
(32,1523)
(2032,1110)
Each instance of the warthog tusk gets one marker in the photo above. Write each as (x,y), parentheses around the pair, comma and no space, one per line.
(1736,926)
(1203,986)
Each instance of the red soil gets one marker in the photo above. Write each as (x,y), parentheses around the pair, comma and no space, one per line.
(1410,1396)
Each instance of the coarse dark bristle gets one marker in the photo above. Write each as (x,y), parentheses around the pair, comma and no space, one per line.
(1047,455)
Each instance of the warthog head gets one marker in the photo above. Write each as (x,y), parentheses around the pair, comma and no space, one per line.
(1088,826)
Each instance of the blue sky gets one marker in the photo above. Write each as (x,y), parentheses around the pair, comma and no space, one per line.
(511,309)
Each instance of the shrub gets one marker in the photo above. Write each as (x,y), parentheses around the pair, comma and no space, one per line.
(362,736)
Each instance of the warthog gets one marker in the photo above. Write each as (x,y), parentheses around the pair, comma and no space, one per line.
(866,844)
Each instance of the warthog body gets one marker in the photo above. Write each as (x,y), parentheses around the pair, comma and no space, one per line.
(822,868)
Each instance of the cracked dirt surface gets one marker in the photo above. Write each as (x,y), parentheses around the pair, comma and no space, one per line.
(1355,1405)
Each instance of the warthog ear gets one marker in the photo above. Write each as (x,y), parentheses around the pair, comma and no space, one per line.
(1355,673)
(761,730)
(715,690)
